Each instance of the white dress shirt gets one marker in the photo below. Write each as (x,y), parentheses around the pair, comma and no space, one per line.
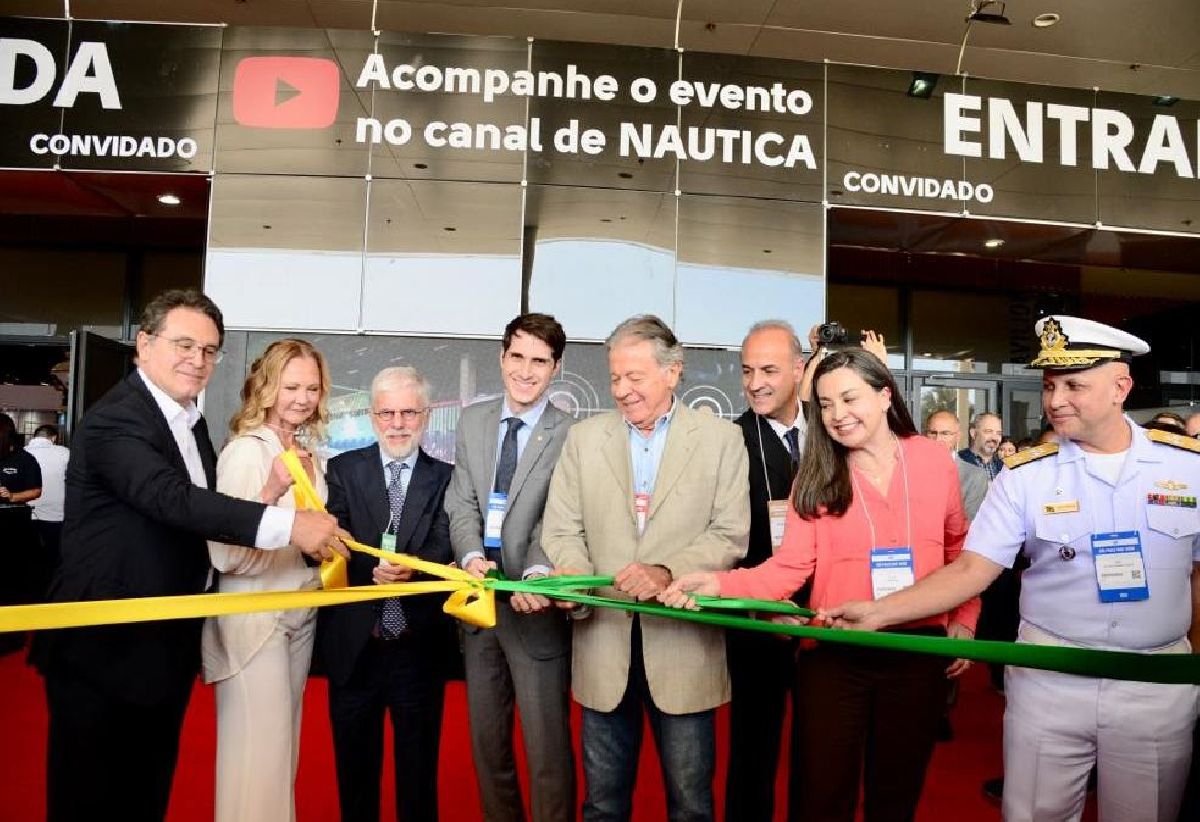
(52,459)
(275,527)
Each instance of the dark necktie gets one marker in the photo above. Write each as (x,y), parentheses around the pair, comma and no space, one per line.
(506,466)
(792,437)
(392,621)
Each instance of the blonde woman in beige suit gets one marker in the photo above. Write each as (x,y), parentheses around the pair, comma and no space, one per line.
(259,662)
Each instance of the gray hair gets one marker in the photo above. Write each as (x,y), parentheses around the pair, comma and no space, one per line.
(667,350)
(777,325)
(983,415)
(400,376)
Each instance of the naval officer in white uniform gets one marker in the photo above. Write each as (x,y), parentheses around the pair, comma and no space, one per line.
(1109,521)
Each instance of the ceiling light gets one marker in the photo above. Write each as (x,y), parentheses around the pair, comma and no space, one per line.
(169,199)
(1165,100)
(981,16)
(1045,21)
(922,85)
(995,242)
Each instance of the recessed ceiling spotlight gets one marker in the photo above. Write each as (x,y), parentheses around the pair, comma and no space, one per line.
(169,199)
(1045,21)
(995,242)
(1165,100)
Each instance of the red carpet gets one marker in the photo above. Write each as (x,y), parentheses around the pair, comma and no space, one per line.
(952,789)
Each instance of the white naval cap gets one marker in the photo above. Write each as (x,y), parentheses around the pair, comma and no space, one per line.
(1073,342)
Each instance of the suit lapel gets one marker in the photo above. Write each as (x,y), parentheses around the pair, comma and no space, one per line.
(136,383)
(421,487)
(616,454)
(208,457)
(676,455)
(370,479)
(489,432)
(539,438)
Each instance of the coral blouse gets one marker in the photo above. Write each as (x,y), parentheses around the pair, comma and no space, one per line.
(836,550)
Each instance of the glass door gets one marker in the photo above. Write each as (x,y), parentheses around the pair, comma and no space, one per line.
(962,397)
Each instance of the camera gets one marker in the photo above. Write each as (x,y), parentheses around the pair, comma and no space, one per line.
(831,334)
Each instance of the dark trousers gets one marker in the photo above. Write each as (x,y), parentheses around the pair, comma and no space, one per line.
(762,670)
(50,534)
(404,678)
(863,712)
(1000,615)
(108,758)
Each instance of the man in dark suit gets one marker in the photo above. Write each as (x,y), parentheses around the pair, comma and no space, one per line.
(389,656)
(138,512)
(761,668)
(505,453)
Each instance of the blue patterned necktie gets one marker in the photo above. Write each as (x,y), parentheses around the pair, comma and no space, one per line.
(392,621)
(793,445)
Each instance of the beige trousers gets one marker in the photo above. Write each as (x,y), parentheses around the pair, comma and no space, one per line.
(258,726)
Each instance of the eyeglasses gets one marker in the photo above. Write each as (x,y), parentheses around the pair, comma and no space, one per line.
(186,348)
(408,415)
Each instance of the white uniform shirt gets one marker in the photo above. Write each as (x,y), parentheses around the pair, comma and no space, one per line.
(1061,596)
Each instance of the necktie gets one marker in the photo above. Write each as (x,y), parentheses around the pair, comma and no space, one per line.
(792,437)
(506,466)
(392,621)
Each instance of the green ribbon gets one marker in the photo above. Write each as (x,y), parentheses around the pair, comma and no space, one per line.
(1161,668)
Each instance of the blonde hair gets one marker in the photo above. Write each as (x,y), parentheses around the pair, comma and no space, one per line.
(261,389)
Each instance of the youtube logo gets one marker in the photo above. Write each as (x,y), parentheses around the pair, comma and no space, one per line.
(286,92)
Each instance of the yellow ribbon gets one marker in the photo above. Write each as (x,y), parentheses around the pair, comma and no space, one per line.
(469,600)
(149,609)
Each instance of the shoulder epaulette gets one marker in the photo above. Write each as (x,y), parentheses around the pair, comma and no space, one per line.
(1031,454)
(1176,440)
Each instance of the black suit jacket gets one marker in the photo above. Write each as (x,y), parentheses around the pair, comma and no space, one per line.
(358,498)
(778,473)
(136,526)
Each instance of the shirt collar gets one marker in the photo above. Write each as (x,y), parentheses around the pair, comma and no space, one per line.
(171,409)
(661,423)
(387,459)
(781,429)
(530,417)
(38,442)
(1140,446)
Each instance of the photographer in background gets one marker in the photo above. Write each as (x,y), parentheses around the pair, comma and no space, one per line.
(825,338)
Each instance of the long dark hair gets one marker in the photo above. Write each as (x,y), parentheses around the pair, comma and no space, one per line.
(9,441)
(823,483)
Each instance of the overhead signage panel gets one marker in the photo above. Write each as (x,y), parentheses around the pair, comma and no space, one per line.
(96,95)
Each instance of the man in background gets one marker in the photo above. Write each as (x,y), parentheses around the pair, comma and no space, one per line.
(986,431)
(942,426)
(48,508)
(762,667)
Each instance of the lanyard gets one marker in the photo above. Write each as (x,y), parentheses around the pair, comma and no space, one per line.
(762,456)
(867,510)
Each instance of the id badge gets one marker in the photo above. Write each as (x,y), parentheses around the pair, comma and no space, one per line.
(387,542)
(1120,567)
(497,507)
(777,511)
(891,570)
(641,505)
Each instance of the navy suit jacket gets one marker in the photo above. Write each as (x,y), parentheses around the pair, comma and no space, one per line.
(136,526)
(358,498)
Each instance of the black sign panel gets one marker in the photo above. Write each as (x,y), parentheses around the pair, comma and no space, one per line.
(95,95)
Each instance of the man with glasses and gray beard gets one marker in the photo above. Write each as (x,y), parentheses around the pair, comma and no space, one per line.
(390,655)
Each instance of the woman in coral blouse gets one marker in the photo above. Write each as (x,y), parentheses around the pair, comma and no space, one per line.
(874,507)
(259,662)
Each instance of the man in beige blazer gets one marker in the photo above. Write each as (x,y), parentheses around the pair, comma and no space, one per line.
(647,493)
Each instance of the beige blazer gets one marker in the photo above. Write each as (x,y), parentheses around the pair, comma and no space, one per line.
(698,520)
(229,642)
